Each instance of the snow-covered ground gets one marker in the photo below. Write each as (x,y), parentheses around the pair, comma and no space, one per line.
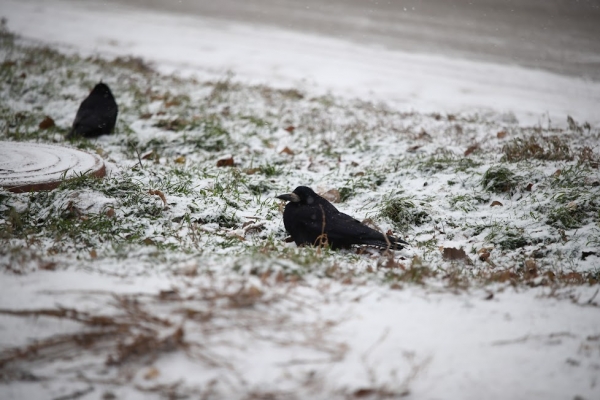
(107,292)
(210,47)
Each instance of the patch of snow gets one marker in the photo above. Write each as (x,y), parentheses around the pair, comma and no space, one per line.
(209,48)
(316,337)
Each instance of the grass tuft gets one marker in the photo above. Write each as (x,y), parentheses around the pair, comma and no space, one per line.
(507,237)
(404,213)
(498,179)
(551,148)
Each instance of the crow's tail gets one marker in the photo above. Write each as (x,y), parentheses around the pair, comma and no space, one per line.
(394,244)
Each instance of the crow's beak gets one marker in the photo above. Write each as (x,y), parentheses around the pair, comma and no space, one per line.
(293,197)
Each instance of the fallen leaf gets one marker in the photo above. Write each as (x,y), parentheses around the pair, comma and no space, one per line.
(225,162)
(414,148)
(110,212)
(501,134)
(484,256)
(146,116)
(169,294)
(253,291)
(180,160)
(253,226)
(48,266)
(152,373)
(495,203)
(148,155)
(364,393)
(290,129)
(471,149)
(46,123)
(557,173)
(529,186)
(251,171)
(93,254)
(332,195)
(172,103)
(451,253)
(287,150)
(159,194)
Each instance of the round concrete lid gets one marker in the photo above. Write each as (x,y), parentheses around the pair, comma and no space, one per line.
(26,167)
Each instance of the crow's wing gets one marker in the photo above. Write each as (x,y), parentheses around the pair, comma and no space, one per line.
(305,224)
(343,230)
(95,116)
(83,115)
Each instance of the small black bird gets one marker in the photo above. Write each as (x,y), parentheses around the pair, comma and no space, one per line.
(308,216)
(97,114)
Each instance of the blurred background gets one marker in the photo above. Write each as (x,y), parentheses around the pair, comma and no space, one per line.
(537,60)
(561,36)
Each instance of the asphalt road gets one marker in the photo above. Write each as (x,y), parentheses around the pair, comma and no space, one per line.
(562,36)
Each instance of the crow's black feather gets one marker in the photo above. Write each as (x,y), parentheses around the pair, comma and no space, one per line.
(309,216)
(97,114)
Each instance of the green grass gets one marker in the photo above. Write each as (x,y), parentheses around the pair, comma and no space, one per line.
(467,202)
(499,179)
(172,131)
(443,160)
(270,170)
(405,213)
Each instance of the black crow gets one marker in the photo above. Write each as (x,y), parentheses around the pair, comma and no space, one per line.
(310,219)
(97,114)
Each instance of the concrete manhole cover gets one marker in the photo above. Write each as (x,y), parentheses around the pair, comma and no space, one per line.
(28,167)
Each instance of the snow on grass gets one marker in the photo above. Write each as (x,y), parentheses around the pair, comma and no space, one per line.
(171,276)
(206,47)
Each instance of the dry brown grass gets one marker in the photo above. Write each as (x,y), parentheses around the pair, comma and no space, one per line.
(551,148)
(129,335)
(133,331)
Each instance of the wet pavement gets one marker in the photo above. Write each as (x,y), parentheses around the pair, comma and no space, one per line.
(561,36)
